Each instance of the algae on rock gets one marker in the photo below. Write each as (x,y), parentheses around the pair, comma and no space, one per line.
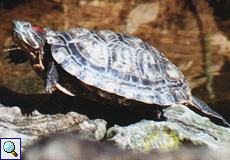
(181,125)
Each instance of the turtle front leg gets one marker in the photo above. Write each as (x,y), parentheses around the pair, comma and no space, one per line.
(52,78)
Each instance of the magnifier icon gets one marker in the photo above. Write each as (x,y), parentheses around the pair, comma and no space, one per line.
(9,147)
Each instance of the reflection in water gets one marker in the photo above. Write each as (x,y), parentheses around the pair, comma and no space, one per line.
(220,87)
(208,63)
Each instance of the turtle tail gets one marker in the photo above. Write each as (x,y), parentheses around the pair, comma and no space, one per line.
(207,110)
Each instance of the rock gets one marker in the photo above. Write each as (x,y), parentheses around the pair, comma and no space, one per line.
(60,147)
(182,125)
(221,41)
(142,13)
(37,126)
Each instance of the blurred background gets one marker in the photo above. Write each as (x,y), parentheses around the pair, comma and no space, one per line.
(193,34)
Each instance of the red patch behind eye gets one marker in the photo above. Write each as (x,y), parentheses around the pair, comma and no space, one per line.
(39,29)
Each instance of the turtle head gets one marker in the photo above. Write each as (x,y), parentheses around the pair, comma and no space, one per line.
(31,38)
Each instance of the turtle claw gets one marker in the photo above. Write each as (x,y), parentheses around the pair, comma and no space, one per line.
(50,88)
(12,48)
(16,55)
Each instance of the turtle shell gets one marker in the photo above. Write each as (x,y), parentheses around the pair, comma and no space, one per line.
(120,64)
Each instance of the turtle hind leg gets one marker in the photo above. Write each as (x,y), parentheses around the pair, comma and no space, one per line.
(52,78)
(207,110)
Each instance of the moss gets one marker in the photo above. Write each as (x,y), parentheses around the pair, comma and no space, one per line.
(160,138)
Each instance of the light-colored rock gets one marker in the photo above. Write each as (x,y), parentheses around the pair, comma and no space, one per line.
(142,13)
(182,125)
(36,126)
(221,41)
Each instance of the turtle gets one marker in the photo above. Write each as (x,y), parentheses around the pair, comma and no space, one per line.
(104,66)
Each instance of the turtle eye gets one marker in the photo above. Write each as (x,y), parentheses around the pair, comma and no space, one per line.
(26,25)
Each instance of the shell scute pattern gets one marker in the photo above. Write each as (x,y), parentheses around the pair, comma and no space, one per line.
(134,41)
(106,35)
(180,95)
(94,52)
(61,53)
(146,62)
(172,73)
(120,64)
(122,59)
(77,33)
